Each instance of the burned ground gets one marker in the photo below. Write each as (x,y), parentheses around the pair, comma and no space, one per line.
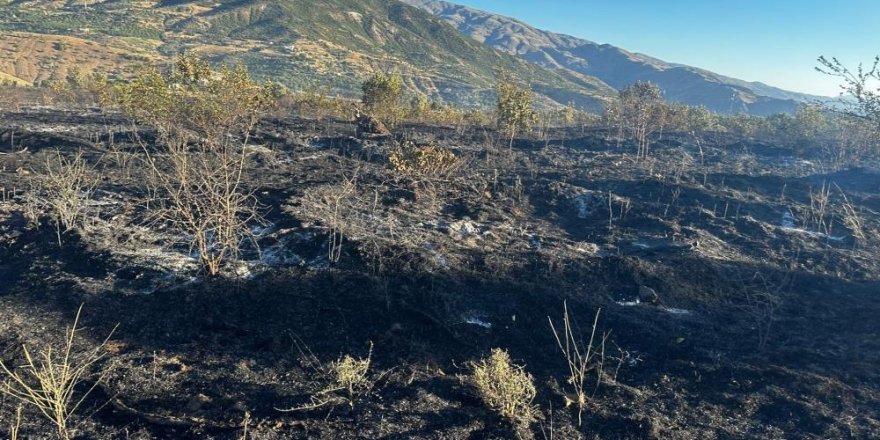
(766,324)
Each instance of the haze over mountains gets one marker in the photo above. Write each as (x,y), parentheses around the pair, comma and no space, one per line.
(446,51)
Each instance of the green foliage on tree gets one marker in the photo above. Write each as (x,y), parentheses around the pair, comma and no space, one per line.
(383,97)
(690,119)
(198,98)
(514,108)
(642,113)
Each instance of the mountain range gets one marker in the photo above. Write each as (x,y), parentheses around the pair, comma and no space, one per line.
(446,51)
(615,66)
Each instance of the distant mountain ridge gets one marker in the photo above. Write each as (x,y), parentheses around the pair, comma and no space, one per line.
(331,44)
(615,66)
(442,50)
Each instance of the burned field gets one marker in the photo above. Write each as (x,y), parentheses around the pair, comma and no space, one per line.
(738,285)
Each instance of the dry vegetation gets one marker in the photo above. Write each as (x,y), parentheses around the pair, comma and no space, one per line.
(582,358)
(204,119)
(446,238)
(51,378)
(506,388)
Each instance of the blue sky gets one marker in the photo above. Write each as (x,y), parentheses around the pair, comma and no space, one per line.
(773,41)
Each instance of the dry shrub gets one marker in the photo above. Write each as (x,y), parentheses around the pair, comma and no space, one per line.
(48,381)
(347,380)
(422,160)
(351,211)
(351,377)
(581,358)
(506,388)
(760,296)
(817,216)
(204,118)
(63,189)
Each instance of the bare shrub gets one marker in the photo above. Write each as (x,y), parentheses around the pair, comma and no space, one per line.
(506,388)
(49,380)
(582,358)
(761,297)
(336,218)
(204,118)
(64,189)
(352,210)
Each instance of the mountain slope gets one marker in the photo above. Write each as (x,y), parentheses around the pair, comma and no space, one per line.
(320,43)
(616,67)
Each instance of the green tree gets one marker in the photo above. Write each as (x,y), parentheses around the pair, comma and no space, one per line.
(420,105)
(514,109)
(800,131)
(383,97)
(642,112)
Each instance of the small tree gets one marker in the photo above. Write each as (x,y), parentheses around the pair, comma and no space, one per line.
(642,113)
(383,97)
(203,118)
(514,106)
(420,106)
(863,85)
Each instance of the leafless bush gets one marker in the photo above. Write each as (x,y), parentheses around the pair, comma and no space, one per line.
(582,358)
(762,296)
(351,210)
(336,218)
(50,380)
(64,189)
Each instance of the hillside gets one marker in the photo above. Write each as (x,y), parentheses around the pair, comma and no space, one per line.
(615,66)
(329,44)
(727,308)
